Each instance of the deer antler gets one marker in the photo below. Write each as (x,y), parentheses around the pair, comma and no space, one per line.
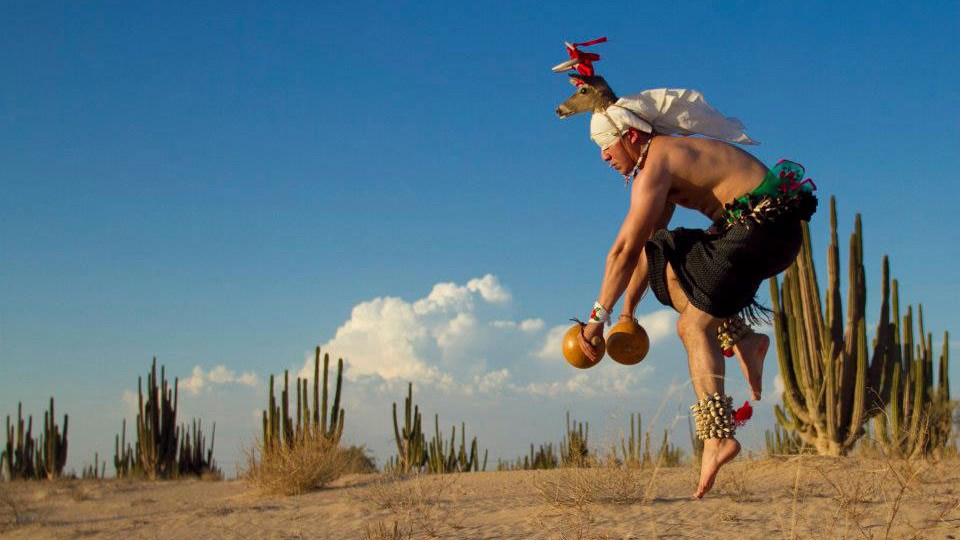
(582,61)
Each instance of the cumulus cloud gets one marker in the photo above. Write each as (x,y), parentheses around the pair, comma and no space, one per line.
(219,375)
(778,386)
(658,324)
(463,338)
(130,403)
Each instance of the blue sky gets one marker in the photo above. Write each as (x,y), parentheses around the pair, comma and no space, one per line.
(230,184)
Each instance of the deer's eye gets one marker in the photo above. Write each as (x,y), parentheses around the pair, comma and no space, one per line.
(583,90)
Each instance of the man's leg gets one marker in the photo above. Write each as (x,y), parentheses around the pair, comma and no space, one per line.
(698,330)
(737,337)
(751,350)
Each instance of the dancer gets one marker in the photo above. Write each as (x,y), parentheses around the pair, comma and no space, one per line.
(710,277)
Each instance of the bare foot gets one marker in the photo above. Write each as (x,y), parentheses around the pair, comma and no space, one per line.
(751,350)
(716,453)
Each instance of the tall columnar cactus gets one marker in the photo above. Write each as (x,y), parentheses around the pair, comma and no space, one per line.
(635,453)
(52,456)
(124,457)
(195,458)
(411,443)
(575,450)
(157,430)
(443,458)
(19,457)
(637,449)
(780,442)
(545,457)
(96,471)
(279,428)
(918,417)
(833,382)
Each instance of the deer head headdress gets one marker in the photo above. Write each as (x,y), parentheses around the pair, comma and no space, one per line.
(672,111)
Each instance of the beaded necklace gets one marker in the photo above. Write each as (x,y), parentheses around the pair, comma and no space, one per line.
(639,165)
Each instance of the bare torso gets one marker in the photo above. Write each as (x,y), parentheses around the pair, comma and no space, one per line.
(705,174)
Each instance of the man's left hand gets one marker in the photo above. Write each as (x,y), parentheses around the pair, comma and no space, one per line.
(587,333)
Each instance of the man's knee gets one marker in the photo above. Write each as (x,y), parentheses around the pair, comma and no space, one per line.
(695,323)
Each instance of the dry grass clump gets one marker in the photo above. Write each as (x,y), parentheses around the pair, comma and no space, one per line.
(14,510)
(415,504)
(311,462)
(570,495)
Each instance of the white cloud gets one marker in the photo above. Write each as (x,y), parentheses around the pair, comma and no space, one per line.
(532,325)
(658,324)
(461,338)
(219,375)
(550,350)
(778,385)
(130,402)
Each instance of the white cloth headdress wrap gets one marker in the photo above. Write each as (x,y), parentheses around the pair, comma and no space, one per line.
(672,111)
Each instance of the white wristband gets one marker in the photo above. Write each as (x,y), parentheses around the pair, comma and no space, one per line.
(599,314)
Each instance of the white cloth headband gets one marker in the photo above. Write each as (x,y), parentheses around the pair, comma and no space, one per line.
(607,127)
(671,111)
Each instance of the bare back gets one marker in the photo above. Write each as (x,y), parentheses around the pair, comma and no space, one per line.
(705,173)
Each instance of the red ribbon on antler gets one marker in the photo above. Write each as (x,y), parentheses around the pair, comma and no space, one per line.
(584,60)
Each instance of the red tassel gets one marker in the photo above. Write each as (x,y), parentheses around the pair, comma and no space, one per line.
(728,352)
(741,415)
(591,42)
(585,67)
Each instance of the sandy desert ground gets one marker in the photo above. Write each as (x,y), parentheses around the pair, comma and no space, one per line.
(789,497)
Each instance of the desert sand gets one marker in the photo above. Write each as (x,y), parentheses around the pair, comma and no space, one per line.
(788,497)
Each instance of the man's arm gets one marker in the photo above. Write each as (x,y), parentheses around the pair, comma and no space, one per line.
(648,206)
(640,279)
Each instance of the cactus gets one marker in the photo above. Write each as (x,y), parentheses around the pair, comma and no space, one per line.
(438,458)
(545,457)
(918,417)
(442,458)
(35,459)
(157,431)
(194,456)
(635,453)
(668,455)
(575,451)
(19,457)
(833,383)
(95,471)
(411,443)
(636,450)
(781,442)
(157,451)
(52,453)
(124,460)
(279,428)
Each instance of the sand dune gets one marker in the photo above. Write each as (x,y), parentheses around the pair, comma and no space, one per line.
(796,497)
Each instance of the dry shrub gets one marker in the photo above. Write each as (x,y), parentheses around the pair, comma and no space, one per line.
(383,532)
(414,504)
(570,495)
(733,484)
(14,510)
(311,462)
(358,461)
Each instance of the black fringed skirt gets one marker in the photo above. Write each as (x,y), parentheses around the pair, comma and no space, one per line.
(720,272)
